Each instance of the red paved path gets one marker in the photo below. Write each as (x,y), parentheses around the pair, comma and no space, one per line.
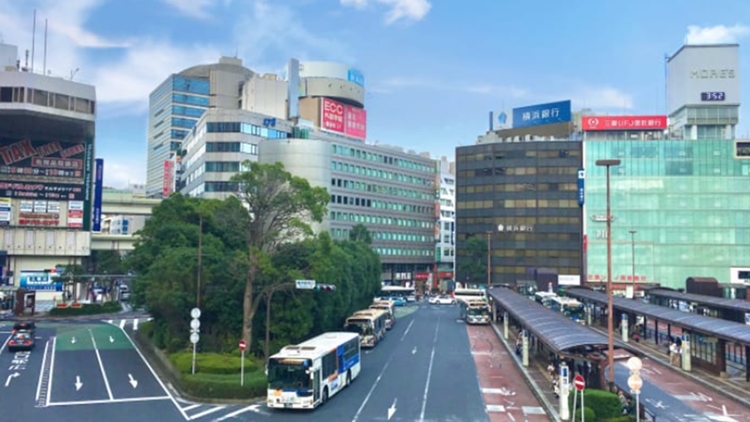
(505,391)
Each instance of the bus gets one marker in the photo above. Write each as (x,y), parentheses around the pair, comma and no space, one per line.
(306,375)
(405,294)
(388,307)
(544,298)
(369,324)
(469,294)
(475,312)
(569,307)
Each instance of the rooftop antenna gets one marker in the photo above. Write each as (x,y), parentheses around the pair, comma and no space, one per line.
(45,48)
(73,73)
(33,42)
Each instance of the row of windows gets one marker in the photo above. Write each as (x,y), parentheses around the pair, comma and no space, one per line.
(384,190)
(383,174)
(447,252)
(519,203)
(518,154)
(190,99)
(522,221)
(221,187)
(194,85)
(46,99)
(380,158)
(250,129)
(401,237)
(377,219)
(183,122)
(519,187)
(517,171)
(383,205)
(243,147)
(187,111)
(179,133)
(523,269)
(404,252)
(222,166)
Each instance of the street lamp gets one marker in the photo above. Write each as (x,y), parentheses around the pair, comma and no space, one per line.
(489,258)
(632,257)
(610,316)
(635,383)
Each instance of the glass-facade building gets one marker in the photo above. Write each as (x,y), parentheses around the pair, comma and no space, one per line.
(687,203)
(524,196)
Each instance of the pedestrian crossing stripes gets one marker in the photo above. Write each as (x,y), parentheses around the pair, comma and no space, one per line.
(217,413)
(128,323)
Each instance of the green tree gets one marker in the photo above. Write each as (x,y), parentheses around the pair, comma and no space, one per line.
(359,233)
(280,206)
(472,259)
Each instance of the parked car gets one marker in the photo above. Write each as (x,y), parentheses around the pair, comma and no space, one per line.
(442,300)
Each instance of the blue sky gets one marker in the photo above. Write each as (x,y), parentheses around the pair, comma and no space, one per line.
(433,68)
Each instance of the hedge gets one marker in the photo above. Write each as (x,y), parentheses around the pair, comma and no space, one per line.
(214,386)
(211,363)
(588,413)
(604,404)
(87,309)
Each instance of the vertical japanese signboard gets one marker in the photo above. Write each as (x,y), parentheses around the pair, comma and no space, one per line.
(581,186)
(96,224)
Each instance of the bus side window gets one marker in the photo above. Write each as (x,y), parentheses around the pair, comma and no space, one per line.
(329,364)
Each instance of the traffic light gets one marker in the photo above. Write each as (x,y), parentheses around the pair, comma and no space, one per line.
(325,287)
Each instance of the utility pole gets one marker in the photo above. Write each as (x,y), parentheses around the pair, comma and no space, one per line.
(632,258)
(489,259)
(200,262)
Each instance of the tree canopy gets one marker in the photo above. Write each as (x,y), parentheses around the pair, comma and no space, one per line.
(471,263)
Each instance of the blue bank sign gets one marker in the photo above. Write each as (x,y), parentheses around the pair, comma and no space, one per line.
(581,192)
(355,76)
(542,114)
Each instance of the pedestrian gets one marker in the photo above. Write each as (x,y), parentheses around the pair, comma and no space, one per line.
(673,350)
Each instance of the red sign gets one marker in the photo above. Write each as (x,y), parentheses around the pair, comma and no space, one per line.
(421,276)
(445,274)
(243,345)
(604,123)
(168,186)
(579,382)
(344,119)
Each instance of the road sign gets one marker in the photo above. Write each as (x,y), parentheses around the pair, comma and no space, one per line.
(195,313)
(305,284)
(635,383)
(195,338)
(195,324)
(243,345)
(579,382)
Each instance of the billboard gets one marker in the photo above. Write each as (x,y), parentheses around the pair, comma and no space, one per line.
(168,186)
(605,123)
(75,214)
(343,119)
(500,120)
(39,213)
(542,114)
(42,169)
(331,70)
(39,280)
(581,187)
(703,74)
(96,223)
(6,211)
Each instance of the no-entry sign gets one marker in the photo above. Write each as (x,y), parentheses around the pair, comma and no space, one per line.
(579,382)
(243,345)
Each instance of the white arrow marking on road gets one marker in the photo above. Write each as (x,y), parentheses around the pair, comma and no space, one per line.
(392,409)
(414,350)
(132,381)
(10,378)
(79,384)
(111,340)
(73,340)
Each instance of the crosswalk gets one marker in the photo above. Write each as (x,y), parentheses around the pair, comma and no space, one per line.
(128,323)
(217,413)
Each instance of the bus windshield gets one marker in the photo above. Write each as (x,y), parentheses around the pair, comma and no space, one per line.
(478,311)
(359,326)
(574,311)
(289,374)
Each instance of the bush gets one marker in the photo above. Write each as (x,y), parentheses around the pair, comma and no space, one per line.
(211,363)
(224,387)
(629,418)
(87,309)
(588,413)
(604,404)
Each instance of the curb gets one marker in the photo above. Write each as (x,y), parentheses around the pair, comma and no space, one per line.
(551,410)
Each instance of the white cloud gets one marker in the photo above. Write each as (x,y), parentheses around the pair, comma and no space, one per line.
(497,90)
(120,173)
(602,98)
(388,86)
(719,34)
(409,10)
(198,9)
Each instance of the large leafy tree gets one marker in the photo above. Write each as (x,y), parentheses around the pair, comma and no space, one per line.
(281,207)
(472,259)
(359,233)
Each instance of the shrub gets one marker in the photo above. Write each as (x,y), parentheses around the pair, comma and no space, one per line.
(605,405)
(87,309)
(221,386)
(211,363)
(588,413)
(628,418)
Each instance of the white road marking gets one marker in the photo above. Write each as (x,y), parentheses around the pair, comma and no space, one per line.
(135,324)
(153,373)
(101,366)
(407,330)
(41,373)
(533,410)
(206,412)
(51,369)
(122,323)
(251,408)
(89,402)
(192,406)
(429,373)
(375,384)
(6,343)
(495,408)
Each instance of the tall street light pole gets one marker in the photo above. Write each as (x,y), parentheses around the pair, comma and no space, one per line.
(200,262)
(610,313)
(632,257)
(489,258)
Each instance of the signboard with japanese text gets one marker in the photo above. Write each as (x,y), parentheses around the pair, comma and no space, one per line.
(542,114)
(168,186)
(581,187)
(39,280)
(39,213)
(343,119)
(42,169)
(6,211)
(96,223)
(608,123)
(75,214)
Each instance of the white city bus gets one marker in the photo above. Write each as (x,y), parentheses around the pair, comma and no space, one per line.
(369,324)
(469,294)
(544,298)
(386,306)
(569,307)
(306,375)
(399,294)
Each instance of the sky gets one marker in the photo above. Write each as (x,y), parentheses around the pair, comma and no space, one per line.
(433,68)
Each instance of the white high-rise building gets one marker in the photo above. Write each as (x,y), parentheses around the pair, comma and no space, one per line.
(446,245)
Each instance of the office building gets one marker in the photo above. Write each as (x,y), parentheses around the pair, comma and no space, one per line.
(445,208)
(47,127)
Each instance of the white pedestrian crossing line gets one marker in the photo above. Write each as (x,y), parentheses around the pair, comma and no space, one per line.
(206,412)
(191,407)
(122,323)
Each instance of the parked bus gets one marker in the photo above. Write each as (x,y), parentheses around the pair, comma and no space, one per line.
(306,375)
(475,311)
(399,294)
(469,294)
(388,307)
(544,298)
(569,307)
(369,324)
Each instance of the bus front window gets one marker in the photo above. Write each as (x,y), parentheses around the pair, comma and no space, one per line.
(478,312)
(362,328)
(289,374)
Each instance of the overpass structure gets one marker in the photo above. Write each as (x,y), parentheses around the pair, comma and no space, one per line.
(118,202)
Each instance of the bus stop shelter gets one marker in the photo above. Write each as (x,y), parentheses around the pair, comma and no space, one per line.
(717,307)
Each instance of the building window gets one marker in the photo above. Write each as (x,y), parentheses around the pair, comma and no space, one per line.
(222,166)
(221,187)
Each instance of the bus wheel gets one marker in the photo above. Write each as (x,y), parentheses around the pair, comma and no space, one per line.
(324,399)
(348,377)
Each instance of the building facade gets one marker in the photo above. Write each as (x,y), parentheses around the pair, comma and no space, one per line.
(523,196)
(47,128)
(176,105)
(445,250)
